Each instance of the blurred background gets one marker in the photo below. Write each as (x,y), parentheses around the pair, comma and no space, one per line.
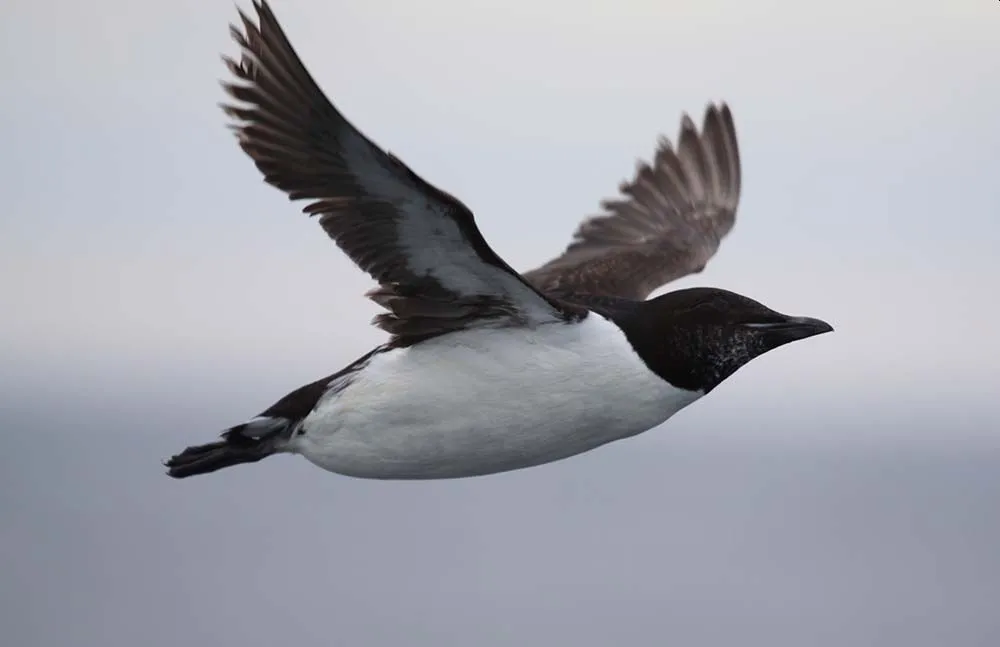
(153,290)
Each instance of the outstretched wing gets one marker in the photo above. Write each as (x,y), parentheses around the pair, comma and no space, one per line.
(436,272)
(667,224)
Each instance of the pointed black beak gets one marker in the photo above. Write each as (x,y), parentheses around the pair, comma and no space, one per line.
(790,329)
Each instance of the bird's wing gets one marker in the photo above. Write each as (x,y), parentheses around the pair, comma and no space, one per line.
(435,270)
(667,223)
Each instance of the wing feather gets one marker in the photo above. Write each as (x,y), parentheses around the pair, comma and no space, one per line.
(667,223)
(407,234)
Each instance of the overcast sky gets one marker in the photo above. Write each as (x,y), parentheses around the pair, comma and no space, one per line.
(153,290)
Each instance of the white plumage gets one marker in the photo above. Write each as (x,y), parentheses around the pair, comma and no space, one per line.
(483,401)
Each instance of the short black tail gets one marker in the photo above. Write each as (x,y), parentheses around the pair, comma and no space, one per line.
(238,445)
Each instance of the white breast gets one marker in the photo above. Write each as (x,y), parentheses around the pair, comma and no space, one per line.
(483,401)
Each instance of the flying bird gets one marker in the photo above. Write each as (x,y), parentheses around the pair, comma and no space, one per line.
(487,369)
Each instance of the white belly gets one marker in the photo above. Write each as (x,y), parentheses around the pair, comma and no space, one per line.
(484,401)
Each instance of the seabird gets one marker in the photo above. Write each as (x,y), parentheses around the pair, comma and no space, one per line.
(486,369)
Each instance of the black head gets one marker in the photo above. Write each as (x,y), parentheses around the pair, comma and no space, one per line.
(698,337)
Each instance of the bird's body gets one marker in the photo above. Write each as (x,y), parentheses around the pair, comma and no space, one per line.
(488,369)
(481,401)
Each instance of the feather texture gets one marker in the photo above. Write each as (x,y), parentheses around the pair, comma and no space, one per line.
(667,223)
(420,243)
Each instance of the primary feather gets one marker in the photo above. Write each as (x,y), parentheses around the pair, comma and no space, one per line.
(667,224)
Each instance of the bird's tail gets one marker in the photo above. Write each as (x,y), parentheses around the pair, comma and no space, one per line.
(245,443)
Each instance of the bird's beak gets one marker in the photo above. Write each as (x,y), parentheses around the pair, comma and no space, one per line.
(790,329)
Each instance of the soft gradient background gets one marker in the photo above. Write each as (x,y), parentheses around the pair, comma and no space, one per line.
(844,491)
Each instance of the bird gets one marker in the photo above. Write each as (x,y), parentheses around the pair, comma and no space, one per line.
(487,369)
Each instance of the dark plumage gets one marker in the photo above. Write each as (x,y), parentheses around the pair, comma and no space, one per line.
(668,223)
(436,271)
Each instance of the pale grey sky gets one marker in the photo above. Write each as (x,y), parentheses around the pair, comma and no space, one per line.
(841,491)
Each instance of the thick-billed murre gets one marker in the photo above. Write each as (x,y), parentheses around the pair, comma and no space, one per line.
(488,369)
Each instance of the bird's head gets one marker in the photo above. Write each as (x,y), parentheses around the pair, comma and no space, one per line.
(696,338)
